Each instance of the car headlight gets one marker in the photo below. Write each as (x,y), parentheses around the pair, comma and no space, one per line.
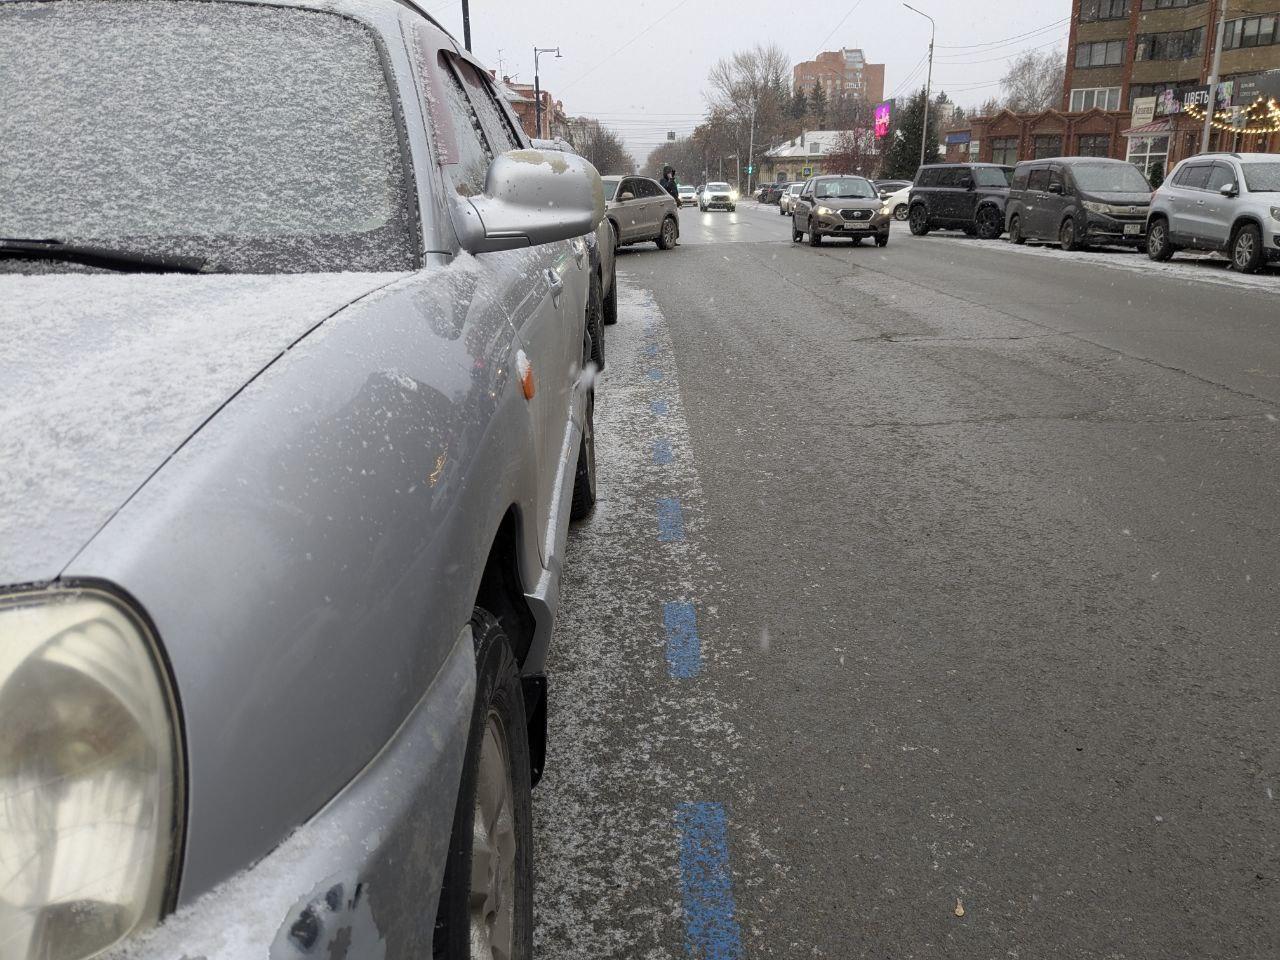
(733,194)
(90,776)
(1094,207)
(1275,213)
(885,211)
(824,212)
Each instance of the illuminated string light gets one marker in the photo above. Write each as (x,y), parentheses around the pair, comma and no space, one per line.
(1261,117)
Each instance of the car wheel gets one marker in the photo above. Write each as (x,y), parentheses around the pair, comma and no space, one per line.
(701,208)
(919,220)
(1067,236)
(1015,230)
(733,209)
(1246,249)
(796,235)
(486,902)
(990,223)
(1158,246)
(595,322)
(815,238)
(969,230)
(584,478)
(610,311)
(882,240)
(667,238)
(781,212)
(900,212)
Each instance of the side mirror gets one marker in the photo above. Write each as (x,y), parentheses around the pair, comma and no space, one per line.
(966,184)
(531,197)
(1228,190)
(628,195)
(1055,188)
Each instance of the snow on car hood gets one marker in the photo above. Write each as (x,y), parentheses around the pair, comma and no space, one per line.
(102,377)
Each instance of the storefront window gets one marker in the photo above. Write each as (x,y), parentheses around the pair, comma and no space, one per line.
(1048,146)
(1004,150)
(1150,155)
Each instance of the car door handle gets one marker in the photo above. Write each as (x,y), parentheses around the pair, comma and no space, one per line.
(556,284)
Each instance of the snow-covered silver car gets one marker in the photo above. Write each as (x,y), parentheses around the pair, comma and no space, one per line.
(294,411)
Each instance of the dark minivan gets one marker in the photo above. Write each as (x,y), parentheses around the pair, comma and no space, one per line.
(1078,201)
(960,196)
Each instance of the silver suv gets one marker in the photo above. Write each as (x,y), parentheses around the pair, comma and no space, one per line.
(1229,202)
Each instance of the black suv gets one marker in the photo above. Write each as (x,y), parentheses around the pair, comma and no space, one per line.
(960,196)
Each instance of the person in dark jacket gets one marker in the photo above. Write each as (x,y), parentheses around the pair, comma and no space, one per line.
(669,182)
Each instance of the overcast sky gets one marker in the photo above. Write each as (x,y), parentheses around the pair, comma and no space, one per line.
(641,66)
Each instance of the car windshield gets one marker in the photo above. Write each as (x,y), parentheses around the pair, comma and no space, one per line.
(1110,178)
(686,188)
(717,186)
(795,188)
(1262,177)
(256,138)
(845,188)
(610,188)
(992,176)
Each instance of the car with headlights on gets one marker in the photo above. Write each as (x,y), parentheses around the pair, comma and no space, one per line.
(641,211)
(718,196)
(295,410)
(840,206)
(687,195)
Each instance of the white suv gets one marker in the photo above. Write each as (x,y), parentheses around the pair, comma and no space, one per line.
(1229,202)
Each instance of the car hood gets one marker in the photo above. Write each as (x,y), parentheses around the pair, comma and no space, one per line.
(1117,199)
(863,203)
(103,377)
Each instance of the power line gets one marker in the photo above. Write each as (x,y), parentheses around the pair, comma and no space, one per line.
(839,25)
(1006,56)
(1000,43)
(609,58)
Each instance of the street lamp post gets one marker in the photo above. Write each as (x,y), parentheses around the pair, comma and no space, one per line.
(1213,76)
(466,24)
(751,150)
(928,86)
(537,87)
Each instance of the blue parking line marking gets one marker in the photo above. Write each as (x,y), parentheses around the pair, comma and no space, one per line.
(670,520)
(655,373)
(662,453)
(659,408)
(710,916)
(651,350)
(684,646)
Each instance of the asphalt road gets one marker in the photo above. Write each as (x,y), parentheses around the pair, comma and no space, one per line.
(930,609)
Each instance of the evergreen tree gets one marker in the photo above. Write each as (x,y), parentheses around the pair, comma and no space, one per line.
(903,158)
(799,104)
(818,104)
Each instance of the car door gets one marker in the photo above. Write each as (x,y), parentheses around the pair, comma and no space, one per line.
(652,207)
(535,289)
(964,196)
(801,205)
(631,213)
(1056,201)
(1034,213)
(1185,206)
(1216,209)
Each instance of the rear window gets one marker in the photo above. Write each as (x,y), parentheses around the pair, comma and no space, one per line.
(1019,181)
(261,139)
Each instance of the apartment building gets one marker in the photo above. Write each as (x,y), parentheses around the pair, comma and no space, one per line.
(1136,86)
(841,73)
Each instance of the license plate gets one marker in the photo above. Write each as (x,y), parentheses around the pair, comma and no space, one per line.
(1132,229)
(857,226)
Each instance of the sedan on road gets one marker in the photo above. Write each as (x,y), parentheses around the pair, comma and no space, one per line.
(641,211)
(788,198)
(687,194)
(840,206)
(293,419)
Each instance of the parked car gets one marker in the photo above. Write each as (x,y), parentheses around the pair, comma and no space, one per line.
(688,195)
(959,196)
(1229,202)
(1078,201)
(641,211)
(839,206)
(898,202)
(293,419)
(888,187)
(718,196)
(772,192)
(602,247)
(788,198)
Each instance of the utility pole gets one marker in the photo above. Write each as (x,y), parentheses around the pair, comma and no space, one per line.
(466,24)
(537,87)
(928,86)
(751,149)
(1213,77)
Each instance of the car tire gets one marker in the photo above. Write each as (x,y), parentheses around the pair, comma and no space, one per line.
(497,757)
(701,208)
(882,240)
(733,209)
(1246,249)
(584,477)
(595,322)
(670,231)
(1158,246)
(781,212)
(969,230)
(610,308)
(797,236)
(990,223)
(1015,231)
(919,218)
(617,242)
(1067,236)
(900,212)
(815,238)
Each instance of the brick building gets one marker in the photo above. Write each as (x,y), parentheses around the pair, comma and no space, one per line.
(1136,80)
(521,97)
(841,73)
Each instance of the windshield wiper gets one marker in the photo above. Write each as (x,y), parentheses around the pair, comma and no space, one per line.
(113,258)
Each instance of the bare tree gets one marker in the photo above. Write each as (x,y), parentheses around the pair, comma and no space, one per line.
(1034,81)
(601,146)
(852,152)
(990,107)
(749,83)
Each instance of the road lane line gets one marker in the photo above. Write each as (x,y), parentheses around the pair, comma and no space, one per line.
(655,374)
(711,924)
(659,408)
(662,453)
(684,646)
(670,520)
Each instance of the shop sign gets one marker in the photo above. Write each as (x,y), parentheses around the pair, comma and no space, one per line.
(958,137)
(1144,111)
(1264,85)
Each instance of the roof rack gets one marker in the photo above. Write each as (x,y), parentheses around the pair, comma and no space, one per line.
(1217,153)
